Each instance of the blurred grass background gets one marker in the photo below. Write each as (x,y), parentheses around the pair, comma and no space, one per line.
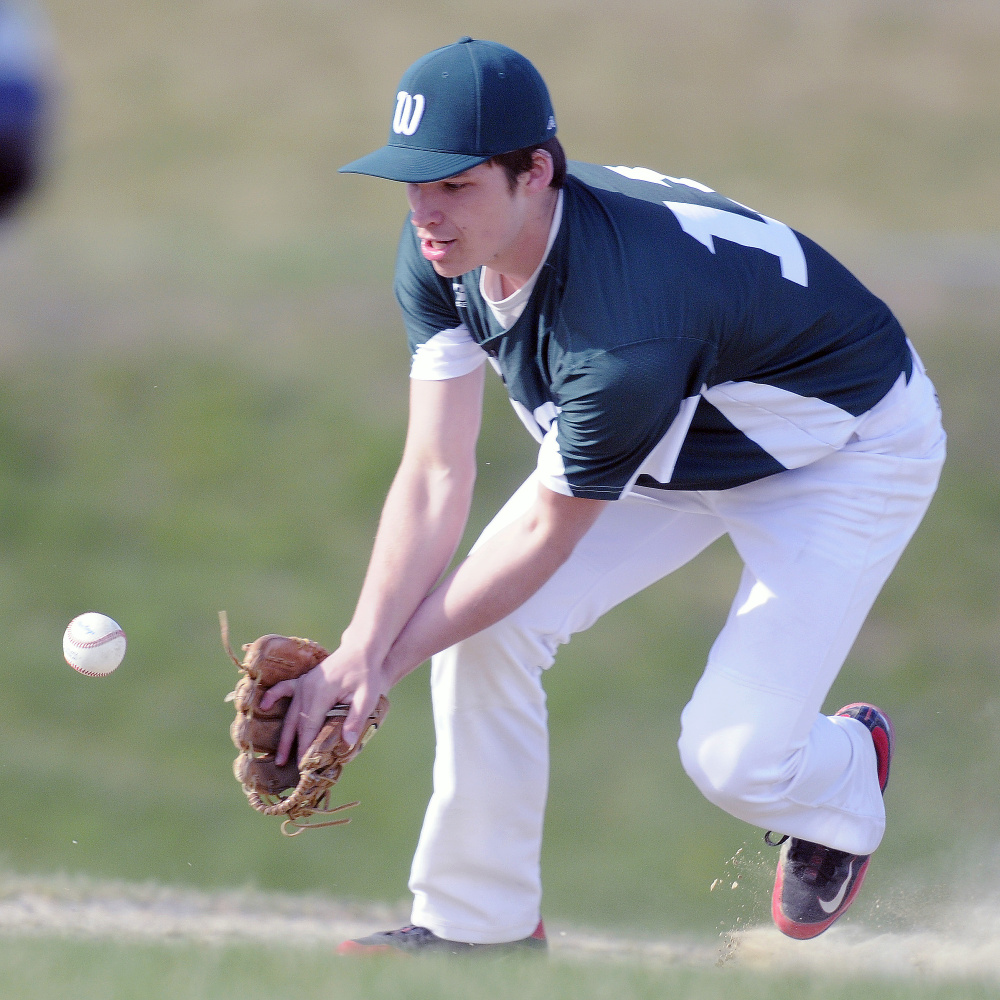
(113,971)
(202,400)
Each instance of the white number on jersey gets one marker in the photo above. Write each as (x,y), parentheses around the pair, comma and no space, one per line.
(771,236)
(704,223)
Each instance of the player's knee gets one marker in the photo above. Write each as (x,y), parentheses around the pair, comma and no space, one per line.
(500,663)
(735,765)
(520,637)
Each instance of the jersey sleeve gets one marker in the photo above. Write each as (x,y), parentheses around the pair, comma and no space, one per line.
(441,346)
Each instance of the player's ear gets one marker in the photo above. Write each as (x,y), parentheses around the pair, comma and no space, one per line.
(540,175)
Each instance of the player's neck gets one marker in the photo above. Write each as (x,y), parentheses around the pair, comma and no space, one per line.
(522,260)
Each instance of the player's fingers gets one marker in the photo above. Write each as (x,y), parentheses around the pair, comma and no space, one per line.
(280,690)
(362,705)
(288,728)
(308,730)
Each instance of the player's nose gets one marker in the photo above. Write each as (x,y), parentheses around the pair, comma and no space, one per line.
(423,208)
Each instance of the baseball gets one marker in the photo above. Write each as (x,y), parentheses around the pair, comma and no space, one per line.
(93,644)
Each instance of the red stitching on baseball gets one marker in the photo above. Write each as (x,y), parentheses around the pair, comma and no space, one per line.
(89,673)
(98,642)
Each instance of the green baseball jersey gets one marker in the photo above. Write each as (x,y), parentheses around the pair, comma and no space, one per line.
(672,339)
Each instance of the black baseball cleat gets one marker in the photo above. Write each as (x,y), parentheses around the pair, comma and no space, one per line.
(815,884)
(420,940)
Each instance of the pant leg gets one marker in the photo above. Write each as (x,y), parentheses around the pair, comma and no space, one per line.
(476,871)
(818,543)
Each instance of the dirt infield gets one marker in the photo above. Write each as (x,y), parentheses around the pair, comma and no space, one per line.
(73,908)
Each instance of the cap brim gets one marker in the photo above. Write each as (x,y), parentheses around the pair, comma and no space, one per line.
(411,165)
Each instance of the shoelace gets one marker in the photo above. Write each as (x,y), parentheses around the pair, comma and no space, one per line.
(815,863)
(412,931)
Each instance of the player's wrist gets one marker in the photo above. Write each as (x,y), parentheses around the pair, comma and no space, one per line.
(362,647)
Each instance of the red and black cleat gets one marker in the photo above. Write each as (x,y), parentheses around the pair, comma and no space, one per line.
(815,884)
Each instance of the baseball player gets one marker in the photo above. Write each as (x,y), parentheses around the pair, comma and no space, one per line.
(25,96)
(689,368)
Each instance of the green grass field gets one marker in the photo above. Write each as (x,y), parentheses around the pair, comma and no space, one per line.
(114,972)
(202,396)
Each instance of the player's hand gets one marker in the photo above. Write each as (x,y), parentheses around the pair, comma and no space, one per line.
(341,679)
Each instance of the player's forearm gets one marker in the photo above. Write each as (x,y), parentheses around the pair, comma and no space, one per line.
(495,580)
(421,525)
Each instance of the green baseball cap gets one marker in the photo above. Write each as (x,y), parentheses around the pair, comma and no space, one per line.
(458,106)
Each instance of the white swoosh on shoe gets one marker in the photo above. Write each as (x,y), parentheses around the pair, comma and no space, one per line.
(831,905)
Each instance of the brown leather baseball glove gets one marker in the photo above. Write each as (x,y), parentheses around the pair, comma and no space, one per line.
(297,789)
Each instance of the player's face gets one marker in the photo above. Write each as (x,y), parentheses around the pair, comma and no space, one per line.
(471,220)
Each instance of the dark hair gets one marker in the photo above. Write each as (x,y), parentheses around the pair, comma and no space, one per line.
(519,162)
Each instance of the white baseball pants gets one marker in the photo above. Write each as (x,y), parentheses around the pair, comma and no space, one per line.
(817,544)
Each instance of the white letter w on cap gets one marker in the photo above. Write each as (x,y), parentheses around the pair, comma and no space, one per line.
(409,111)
